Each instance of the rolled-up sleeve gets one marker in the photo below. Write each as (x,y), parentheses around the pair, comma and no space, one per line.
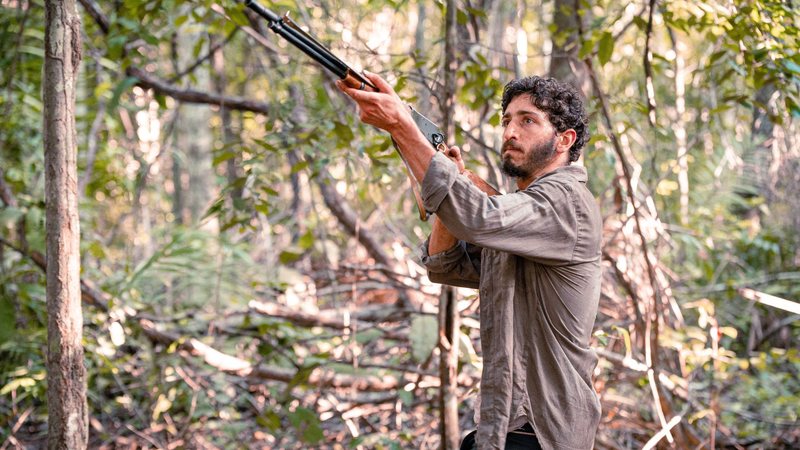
(441,175)
(456,266)
(538,223)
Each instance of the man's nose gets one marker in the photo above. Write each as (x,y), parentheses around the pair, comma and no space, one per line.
(510,132)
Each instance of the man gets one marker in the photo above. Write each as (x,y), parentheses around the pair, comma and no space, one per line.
(534,254)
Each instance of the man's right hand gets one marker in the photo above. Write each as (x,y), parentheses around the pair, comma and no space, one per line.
(454,153)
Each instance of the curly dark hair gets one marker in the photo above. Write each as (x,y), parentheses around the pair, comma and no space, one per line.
(560,101)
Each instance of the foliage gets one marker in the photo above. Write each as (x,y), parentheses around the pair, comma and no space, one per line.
(719,215)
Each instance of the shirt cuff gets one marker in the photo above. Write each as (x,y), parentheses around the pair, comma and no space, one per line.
(441,262)
(440,176)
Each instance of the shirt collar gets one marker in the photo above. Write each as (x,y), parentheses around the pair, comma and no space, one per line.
(578,172)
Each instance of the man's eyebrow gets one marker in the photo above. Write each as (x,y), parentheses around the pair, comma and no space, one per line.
(525,112)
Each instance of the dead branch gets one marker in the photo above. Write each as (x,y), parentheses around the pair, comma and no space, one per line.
(321,377)
(147,81)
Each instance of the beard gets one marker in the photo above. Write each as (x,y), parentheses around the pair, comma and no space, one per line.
(536,158)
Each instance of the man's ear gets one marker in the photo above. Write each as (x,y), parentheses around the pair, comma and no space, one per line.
(565,139)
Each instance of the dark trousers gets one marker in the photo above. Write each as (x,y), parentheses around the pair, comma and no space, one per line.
(520,439)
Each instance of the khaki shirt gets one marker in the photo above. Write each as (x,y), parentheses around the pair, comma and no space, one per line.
(535,256)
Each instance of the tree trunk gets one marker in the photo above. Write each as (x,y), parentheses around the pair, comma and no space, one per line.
(564,62)
(423,105)
(220,81)
(448,367)
(448,311)
(679,128)
(66,374)
(194,137)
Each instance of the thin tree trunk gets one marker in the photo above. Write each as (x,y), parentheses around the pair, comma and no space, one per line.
(194,137)
(220,80)
(424,92)
(448,301)
(176,156)
(680,130)
(565,65)
(450,68)
(448,367)
(66,374)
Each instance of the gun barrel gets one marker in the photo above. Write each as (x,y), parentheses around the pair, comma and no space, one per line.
(261,11)
(299,39)
(289,30)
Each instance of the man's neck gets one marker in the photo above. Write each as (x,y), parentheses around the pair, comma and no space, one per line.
(523,183)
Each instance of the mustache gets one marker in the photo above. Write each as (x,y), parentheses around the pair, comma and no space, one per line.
(510,145)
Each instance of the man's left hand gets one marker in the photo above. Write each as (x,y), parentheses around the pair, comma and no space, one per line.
(383,109)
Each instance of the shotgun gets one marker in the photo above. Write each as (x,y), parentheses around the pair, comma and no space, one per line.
(291,31)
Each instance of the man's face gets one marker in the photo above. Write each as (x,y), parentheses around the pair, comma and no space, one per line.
(529,139)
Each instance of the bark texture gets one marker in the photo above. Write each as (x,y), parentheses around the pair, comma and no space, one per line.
(565,65)
(448,311)
(66,374)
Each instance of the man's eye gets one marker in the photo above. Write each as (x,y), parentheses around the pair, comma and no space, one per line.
(528,121)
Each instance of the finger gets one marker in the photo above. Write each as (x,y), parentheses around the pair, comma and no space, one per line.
(356,94)
(454,152)
(380,83)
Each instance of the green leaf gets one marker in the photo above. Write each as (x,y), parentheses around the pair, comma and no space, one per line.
(222,157)
(121,88)
(299,166)
(605,48)
(290,255)
(306,241)
(424,335)
(792,66)
(586,48)
(270,420)
(162,100)
(402,81)
(343,132)
(307,424)
(9,216)
(17,383)
(237,16)
(31,50)
(7,320)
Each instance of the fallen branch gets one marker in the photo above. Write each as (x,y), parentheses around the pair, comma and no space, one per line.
(10,440)
(770,300)
(663,433)
(337,320)
(638,366)
(320,376)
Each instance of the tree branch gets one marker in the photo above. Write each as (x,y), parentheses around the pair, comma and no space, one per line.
(99,18)
(147,81)
(203,58)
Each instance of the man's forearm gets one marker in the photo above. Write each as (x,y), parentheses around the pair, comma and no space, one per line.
(413,147)
(441,238)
